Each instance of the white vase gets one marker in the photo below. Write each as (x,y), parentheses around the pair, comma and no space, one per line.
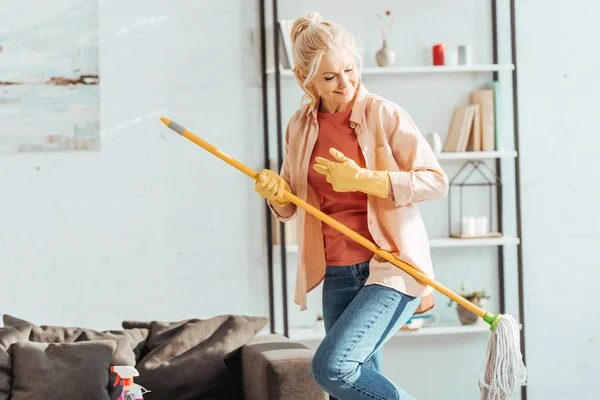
(320,325)
(435,141)
(384,56)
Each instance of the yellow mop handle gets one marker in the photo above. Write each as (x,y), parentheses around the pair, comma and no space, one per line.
(332,222)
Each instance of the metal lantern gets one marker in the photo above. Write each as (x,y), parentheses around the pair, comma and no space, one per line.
(473,226)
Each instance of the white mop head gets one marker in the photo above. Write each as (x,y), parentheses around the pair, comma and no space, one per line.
(504,372)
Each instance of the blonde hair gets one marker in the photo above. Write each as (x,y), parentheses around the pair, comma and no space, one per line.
(312,37)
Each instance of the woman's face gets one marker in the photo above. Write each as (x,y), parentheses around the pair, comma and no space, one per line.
(336,80)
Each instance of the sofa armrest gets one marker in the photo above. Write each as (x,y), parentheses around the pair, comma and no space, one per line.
(277,368)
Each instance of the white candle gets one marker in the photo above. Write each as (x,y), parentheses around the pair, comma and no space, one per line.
(469,226)
(481,225)
(451,57)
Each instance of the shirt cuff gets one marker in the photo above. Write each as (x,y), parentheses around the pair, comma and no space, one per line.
(402,192)
(285,213)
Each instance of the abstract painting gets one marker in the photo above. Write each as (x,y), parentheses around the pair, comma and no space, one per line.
(49,98)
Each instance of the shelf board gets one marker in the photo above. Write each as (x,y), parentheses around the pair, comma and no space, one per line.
(426,69)
(475,155)
(480,327)
(443,242)
(289,248)
(455,242)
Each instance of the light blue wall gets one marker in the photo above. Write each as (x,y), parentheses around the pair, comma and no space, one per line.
(151,226)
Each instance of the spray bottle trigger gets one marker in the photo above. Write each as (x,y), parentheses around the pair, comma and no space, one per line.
(112,369)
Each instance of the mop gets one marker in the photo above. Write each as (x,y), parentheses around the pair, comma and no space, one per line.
(504,372)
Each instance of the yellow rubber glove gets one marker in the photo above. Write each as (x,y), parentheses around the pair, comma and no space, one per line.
(347,176)
(271,186)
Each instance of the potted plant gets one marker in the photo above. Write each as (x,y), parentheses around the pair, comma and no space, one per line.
(477,297)
(320,324)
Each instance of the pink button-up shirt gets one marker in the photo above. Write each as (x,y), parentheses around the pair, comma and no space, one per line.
(390,141)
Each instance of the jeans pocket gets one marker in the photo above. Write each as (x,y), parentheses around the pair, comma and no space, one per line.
(363,272)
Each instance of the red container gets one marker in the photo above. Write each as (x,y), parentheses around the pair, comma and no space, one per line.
(438,54)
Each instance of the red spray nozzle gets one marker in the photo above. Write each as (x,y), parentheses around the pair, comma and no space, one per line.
(125,373)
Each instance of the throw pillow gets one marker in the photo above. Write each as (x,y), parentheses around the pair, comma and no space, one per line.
(62,370)
(188,359)
(8,337)
(130,342)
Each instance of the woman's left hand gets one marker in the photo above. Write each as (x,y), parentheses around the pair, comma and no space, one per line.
(347,176)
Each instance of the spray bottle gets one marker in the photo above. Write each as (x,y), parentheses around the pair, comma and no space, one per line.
(131,391)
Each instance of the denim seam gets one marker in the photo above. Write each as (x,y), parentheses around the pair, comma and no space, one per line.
(355,272)
(361,276)
(352,385)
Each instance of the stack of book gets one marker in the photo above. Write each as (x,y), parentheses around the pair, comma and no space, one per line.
(473,126)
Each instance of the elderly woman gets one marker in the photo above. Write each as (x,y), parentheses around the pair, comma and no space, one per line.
(360,159)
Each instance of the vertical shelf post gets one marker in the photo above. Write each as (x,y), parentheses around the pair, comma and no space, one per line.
(266,161)
(279,132)
(515,94)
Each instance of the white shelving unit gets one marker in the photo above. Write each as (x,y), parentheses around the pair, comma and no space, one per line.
(315,335)
(310,335)
(501,157)
(427,69)
(476,155)
(441,243)
(455,242)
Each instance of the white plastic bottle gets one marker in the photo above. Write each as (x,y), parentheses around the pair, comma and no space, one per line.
(131,390)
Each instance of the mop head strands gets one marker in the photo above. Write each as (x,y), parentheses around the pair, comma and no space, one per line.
(504,371)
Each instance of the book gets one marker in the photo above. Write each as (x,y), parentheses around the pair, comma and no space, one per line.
(496,87)
(286,58)
(474,143)
(485,99)
(460,128)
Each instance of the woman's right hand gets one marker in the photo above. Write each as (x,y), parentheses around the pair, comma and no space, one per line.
(271,186)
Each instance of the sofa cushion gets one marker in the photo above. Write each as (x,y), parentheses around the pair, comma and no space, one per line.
(8,337)
(62,370)
(129,345)
(188,359)
(130,342)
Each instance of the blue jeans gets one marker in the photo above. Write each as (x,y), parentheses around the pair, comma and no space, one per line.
(358,321)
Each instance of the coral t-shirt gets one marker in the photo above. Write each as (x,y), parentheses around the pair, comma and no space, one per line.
(348,208)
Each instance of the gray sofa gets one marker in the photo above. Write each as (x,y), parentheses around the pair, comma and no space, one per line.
(221,358)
